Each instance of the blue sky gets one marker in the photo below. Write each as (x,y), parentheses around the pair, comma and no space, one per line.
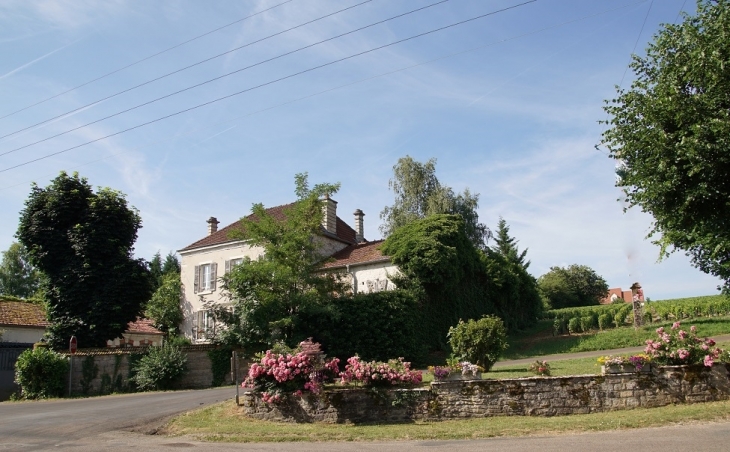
(508,104)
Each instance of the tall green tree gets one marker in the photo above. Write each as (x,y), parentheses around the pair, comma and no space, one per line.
(418,194)
(82,241)
(164,306)
(507,245)
(18,277)
(269,294)
(575,285)
(670,134)
(171,264)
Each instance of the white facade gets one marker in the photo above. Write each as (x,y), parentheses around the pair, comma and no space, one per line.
(22,334)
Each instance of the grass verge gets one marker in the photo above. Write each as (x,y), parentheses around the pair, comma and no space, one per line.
(225,422)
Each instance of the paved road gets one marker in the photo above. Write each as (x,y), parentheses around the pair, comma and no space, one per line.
(44,425)
(594,354)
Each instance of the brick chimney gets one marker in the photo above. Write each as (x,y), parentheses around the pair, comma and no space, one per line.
(359,232)
(329,220)
(212,225)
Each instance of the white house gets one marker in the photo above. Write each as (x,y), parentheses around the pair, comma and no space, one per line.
(206,260)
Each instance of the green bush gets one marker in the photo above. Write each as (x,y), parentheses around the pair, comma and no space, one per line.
(605,321)
(376,326)
(560,326)
(160,368)
(574,325)
(586,323)
(480,341)
(41,373)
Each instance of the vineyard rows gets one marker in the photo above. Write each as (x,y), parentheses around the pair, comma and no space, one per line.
(587,318)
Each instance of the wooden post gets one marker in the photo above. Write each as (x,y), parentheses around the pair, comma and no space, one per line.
(234,368)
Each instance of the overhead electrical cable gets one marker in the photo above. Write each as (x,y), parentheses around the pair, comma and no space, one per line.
(636,43)
(189,67)
(144,59)
(272,82)
(309,96)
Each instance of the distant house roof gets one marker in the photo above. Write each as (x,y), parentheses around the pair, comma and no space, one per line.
(361,253)
(142,326)
(18,313)
(345,233)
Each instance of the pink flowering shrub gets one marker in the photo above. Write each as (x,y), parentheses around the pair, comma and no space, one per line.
(678,346)
(279,373)
(373,373)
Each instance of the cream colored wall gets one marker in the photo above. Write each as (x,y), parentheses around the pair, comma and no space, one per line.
(26,335)
(373,277)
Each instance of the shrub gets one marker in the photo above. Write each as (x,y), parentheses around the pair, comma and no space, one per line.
(681,347)
(374,326)
(560,326)
(586,323)
(479,341)
(160,368)
(541,368)
(373,373)
(605,321)
(276,374)
(41,373)
(574,325)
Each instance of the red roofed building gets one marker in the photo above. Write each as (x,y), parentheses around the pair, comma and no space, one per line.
(206,260)
(26,323)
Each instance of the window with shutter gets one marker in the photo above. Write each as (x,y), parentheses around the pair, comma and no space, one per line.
(213,275)
(227,267)
(196,282)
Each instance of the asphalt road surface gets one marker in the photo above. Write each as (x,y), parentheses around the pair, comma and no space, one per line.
(58,424)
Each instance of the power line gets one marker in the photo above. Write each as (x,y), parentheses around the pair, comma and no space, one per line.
(143,60)
(272,82)
(227,74)
(183,69)
(309,96)
(636,43)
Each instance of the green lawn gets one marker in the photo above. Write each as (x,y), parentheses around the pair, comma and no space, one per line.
(539,340)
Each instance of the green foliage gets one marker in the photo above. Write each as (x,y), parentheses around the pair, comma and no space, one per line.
(18,277)
(159,269)
(41,373)
(574,325)
(164,306)
(479,341)
(220,362)
(82,242)
(507,246)
(179,341)
(670,132)
(375,326)
(605,321)
(419,194)
(89,371)
(159,368)
(269,294)
(454,280)
(576,285)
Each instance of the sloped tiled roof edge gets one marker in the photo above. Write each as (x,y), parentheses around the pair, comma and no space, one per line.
(357,254)
(345,233)
(18,313)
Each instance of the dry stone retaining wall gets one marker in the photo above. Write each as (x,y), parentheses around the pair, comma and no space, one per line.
(535,396)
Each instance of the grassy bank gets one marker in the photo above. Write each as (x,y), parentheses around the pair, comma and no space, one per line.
(224,422)
(540,341)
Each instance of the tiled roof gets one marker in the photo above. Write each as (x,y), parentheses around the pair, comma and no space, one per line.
(360,253)
(18,313)
(344,231)
(142,326)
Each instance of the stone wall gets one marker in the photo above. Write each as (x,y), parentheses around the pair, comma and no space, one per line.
(113,369)
(535,396)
